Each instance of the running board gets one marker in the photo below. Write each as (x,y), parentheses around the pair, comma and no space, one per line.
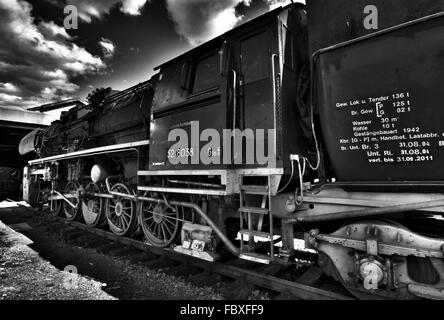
(209,192)
(89,152)
(229,180)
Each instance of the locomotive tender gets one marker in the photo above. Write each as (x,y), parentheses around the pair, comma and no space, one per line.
(349,115)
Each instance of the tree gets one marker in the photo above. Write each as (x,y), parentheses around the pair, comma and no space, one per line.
(98,95)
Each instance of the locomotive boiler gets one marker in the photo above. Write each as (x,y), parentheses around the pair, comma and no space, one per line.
(301,124)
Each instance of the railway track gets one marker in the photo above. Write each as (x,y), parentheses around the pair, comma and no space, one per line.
(237,278)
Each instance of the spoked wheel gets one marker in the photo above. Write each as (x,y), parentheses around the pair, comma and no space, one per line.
(93,207)
(121,213)
(359,270)
(70,212)
(55,207)
(160,224)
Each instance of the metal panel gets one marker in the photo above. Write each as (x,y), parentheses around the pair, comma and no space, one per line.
(332,22)
(89,152)
(379,100)
(208,192)
(229,178)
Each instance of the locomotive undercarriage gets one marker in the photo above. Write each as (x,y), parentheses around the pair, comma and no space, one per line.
(379,255)
(377,247)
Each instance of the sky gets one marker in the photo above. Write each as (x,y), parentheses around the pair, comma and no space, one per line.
(117,43)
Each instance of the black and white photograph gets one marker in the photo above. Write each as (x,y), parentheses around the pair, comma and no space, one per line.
(233,157)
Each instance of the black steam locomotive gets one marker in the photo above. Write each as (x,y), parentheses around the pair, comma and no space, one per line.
(318,123)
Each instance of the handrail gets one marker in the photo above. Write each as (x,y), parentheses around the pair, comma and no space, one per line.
(234,97)
(273,78)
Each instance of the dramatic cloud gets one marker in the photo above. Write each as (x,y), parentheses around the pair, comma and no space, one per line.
(8,88)
(89,9)
(108,47)
(132,7)
(201,20)
(273,4)
(50,29)
(37,60)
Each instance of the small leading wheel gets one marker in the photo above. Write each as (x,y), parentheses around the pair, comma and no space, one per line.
(93,206)
(121,213)
(160,224)
(70,212)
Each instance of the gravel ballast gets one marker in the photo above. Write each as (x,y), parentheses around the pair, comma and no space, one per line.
(26,275)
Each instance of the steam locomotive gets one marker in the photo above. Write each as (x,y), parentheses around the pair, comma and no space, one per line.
(304,123)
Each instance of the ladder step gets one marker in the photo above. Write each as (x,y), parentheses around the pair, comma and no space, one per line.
(255,233)
(258,190)
(255,257)
(254,210)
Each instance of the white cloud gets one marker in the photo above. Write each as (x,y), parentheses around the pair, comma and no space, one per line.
(52,30)
(108,47)
(132,7)
(273,4)
(201,20)
(8,87)
(9,98)
(38,60)
(89,9)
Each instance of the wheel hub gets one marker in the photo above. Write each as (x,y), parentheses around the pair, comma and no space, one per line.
(158,214)
(91,205)
(119,209)
(372,273)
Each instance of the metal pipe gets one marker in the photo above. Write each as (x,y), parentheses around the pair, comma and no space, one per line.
(64,198)
(99,195)
(234,98)
(118,194)
(193,183)
(275,102)
(230,246)
(371,212)
(57,197)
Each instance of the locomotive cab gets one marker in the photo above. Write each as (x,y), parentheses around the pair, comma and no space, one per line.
(226,104)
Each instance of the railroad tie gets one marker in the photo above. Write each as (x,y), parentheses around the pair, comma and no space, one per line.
(108,247)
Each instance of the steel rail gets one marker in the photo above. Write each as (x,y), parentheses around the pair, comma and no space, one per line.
(298,290)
